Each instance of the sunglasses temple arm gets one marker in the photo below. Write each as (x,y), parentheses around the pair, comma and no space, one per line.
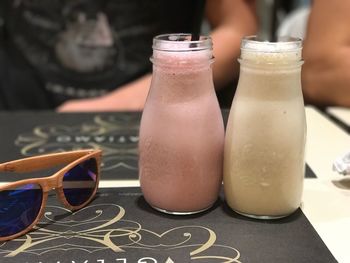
(41,162)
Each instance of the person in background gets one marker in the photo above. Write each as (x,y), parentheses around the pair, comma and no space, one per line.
(326,72)
(89,55)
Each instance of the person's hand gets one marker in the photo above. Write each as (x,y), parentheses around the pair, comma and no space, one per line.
(130,97)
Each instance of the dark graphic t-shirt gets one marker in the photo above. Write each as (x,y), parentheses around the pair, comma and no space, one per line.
(85,48)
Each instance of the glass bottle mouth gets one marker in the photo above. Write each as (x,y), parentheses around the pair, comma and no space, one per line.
(181,42)
(285,51)
(284,44)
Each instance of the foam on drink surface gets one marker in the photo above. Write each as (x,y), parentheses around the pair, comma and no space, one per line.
(271,52)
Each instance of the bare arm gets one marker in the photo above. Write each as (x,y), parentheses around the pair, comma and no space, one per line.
(326,72)
(230,21)
(130,97)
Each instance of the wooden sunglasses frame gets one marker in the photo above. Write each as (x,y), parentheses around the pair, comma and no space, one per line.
(55,181)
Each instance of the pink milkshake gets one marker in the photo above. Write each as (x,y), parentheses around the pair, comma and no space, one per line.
(182,132)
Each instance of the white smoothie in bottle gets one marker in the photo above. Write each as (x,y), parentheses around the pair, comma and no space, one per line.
(265,135)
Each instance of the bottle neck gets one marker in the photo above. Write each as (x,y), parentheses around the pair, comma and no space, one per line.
(280,68)
(269,84)
(179,51)
(271,61)
(181,69)
(181,77)
(183,60)
(271,55)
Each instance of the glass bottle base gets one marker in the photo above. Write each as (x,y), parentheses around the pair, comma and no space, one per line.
(262,217)
(180,212)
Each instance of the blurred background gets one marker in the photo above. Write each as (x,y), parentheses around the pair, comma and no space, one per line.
(277,18)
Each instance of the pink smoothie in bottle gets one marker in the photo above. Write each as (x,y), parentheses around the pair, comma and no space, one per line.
(182,132)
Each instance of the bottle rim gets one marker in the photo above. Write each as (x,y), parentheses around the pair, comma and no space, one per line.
(179,42)
(284,44)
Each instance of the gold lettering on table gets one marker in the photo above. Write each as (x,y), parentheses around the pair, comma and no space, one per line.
(116,135)
(147,260)
(116,233)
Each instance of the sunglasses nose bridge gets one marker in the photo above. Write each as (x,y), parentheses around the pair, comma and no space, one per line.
(50,184)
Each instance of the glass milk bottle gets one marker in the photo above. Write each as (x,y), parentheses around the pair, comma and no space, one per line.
(182,133)
(266,130)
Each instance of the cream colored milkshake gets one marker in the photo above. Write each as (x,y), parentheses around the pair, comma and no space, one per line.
(182,133)
(265,136)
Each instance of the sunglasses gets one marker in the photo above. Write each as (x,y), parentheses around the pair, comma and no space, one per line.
(22,203)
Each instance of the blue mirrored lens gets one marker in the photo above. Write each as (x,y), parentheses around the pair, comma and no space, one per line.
(19,207)
(79,182)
